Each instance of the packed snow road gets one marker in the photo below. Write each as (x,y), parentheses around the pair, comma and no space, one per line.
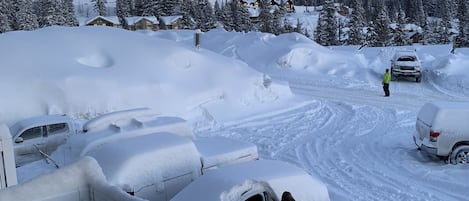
(357,141)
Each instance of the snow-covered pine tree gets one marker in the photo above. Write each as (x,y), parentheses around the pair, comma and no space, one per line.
(356,24)
(150,8)
(326,30)
(25,16)
(100,7)
(242,20)
(463,14)
(299,27)
(123,8)
(400,36)
(207,17)
(381,26)
(69,13)
(168,7)
(265,17)
(227,17)
(138,7)
(187,8)
(445,21)
(416,13)
(279,14)
(4,12)
(218,11)
(431,36)
(51,13)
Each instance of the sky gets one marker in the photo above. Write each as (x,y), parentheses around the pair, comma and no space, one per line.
(319,108)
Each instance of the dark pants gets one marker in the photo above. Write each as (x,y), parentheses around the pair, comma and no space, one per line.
(386,89)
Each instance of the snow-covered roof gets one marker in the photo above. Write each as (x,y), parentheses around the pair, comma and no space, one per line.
(135,19)
(144,161)
(253,12)
(37,121)
(168,20)
(113,19)
(280,176)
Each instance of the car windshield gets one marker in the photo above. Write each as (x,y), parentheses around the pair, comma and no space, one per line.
(407,58)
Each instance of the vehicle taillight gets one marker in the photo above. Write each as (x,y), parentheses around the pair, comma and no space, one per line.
(434,136)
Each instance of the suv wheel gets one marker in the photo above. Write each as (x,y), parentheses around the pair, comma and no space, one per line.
(460,154)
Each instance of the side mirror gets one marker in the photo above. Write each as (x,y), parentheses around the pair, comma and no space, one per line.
(19,140)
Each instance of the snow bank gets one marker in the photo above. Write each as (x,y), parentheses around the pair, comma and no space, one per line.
(87,71)
(78,180)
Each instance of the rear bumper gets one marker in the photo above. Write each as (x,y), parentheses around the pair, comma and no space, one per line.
(429,149)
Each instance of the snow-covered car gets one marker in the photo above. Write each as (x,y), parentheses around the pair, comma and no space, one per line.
(260,180)
(442,130)
(405,63)
(34,137)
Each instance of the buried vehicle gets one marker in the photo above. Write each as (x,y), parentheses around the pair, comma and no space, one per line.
(36,137)
(138,156)
(261,180)
(442,130)
(405,63)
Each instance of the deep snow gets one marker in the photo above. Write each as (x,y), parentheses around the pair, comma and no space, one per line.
(318,108)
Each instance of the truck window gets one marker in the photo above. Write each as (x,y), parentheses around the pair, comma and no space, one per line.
(406,58)
(257,197)
(57,128)
(32,133)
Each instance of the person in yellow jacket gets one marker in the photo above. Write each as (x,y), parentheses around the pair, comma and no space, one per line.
(386,80)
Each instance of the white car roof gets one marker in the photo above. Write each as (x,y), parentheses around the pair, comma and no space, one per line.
(280,176)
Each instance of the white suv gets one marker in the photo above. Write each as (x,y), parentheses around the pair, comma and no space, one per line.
(405,63)
(442,130)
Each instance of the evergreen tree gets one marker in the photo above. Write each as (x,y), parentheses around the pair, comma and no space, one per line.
(25,16)
(400,36)
(168,7)
(356,24)
(463,14)
(124,8)
(187,9)
(416,13)
(69,13)
(206,20)
(228,18)
(266,18)
(242,20)
(138,7)
(432,35)
(326,30)
(445,21)
(4,12)
(100,7)
(218,11)
(150,8)
(299,27)
(279,13)
(381,26)
(51,13)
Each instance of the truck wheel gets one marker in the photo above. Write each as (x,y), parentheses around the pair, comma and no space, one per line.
(460,155)
(417,79)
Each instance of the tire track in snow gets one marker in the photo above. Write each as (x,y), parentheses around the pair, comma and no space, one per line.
(357,142)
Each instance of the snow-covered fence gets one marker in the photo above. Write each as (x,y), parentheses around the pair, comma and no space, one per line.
(7,159)
(80,181)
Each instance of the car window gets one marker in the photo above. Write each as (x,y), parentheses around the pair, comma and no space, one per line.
(57,128)
(407,58)
(257,197)
(32,133)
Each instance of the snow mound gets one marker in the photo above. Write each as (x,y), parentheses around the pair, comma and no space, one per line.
(135,70)
(96,60)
